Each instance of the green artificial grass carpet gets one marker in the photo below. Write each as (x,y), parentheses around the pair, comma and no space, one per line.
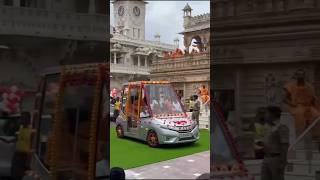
(129,153)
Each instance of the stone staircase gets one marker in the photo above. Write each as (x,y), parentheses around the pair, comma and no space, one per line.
(204,120)
(303,159)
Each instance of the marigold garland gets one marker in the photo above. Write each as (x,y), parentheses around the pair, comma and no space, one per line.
(56,127)
(93,124)
(74,77)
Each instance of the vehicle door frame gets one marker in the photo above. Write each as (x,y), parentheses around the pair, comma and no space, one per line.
(37,165)
(133,131)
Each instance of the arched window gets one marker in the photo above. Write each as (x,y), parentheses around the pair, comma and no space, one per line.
(196,45)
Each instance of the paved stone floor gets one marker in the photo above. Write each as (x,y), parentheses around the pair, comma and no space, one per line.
(187,167)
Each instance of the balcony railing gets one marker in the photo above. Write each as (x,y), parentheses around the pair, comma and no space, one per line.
(129,69)
(189,62)
(45,23)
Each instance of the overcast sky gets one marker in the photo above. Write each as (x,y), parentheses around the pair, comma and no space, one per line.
(166,18)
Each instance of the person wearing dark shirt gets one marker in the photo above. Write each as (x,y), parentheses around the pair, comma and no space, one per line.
(276,146)
(196,109)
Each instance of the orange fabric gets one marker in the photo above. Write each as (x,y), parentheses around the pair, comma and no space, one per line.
(205,98)
(302,106)
(204,93)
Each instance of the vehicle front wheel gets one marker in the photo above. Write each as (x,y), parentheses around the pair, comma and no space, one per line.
(152,139)
(120,132)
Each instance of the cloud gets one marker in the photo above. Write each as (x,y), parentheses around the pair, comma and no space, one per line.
(166,18)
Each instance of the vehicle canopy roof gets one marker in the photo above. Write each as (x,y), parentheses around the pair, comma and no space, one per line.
(145,82)
(74,68)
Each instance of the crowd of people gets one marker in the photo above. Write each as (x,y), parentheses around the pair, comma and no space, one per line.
(180,53)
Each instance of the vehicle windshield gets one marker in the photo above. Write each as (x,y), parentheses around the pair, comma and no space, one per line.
(163,99)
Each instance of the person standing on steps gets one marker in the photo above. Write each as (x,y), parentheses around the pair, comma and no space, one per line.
(196,109)
(276,145)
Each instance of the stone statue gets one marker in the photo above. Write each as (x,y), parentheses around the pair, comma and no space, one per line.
(302,103)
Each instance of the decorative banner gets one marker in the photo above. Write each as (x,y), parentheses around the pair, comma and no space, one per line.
(10,99)
(113,92)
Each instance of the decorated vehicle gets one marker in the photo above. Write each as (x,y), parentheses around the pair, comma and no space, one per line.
(151,111)
(72,124)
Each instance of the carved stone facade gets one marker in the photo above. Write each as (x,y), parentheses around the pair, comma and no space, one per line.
(197,28)
(191,70)
(131,55)
(35,35)
(186,73)
(258,47)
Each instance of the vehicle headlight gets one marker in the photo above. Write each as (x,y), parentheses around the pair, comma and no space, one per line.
(168,127)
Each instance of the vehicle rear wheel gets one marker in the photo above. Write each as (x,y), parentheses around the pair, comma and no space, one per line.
(120,132)
(152,139)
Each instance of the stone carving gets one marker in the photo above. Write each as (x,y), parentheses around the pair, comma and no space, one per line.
(227,52)
(271,89)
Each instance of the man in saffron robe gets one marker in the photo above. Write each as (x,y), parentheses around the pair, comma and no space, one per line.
(301,99)
(204,93)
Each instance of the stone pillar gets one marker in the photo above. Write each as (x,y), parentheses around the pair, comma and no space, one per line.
(115,58)
(139,61)
(145,61)
(92,6)
(187,44)
(16,3)
(184,90)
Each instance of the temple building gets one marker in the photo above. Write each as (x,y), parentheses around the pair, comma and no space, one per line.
(35,35)
(258,47)
(190,69)
(131,54)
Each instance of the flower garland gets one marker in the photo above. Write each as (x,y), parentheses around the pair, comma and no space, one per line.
(93,124)
(72,77)
(57,126)
(11,98)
